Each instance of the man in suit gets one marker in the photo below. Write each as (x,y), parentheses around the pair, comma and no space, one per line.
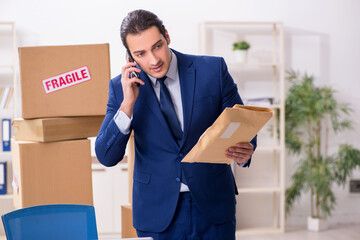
(169,106)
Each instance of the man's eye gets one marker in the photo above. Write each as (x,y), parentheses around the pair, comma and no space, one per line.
(139,55)
(158,46)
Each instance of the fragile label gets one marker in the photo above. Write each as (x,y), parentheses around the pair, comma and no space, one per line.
(67,79)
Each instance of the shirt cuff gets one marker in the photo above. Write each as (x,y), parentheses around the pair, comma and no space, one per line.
(123,122)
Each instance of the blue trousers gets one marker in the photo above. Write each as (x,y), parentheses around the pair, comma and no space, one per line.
(189,224)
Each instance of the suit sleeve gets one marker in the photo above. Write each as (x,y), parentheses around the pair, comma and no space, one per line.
(110,143)
(230,97)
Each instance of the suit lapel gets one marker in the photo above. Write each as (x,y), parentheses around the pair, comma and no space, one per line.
(149,98)
(187,85)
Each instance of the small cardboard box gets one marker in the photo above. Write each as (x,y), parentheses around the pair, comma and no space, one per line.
(51,173)
(127,229)
(60,81)
(56,129)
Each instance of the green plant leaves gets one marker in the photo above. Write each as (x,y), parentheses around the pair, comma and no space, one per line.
(241,45)
(346,159)
(308,110)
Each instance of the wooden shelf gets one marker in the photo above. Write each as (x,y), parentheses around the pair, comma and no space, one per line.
(6,196)
(240,231)
(258,189)
(6,23)
(252,28)
(7,66)
(7,111)
(239,23)
(265,67)
(251,65)
(272,106)
(268,148)
(5,153)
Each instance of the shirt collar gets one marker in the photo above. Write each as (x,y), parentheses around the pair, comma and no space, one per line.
(173,70)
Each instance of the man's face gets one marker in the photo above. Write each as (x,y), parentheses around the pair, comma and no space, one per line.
(150,51)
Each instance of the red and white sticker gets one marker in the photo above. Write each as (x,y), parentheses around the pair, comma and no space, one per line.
(67,79)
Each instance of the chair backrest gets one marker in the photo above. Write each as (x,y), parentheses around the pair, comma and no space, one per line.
(51,222)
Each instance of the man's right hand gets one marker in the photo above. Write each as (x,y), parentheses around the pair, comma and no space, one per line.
(130,87)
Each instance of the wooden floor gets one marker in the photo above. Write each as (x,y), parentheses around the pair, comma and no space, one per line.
(348,232)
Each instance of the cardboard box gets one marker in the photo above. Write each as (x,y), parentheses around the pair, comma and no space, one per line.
(51,173)
(131,160)
(56,129)
(127,229)
(58,81)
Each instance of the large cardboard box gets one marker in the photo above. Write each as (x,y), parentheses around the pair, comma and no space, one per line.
(51,173)
(56,129)
(58,81)
(127,229)
(131,161)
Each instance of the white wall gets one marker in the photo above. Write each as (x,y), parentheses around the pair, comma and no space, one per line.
(322,38)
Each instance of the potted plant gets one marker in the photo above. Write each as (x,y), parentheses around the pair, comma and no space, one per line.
(311,112)
(240,49)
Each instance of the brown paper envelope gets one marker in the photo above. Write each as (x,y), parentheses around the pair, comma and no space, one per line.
(234,125)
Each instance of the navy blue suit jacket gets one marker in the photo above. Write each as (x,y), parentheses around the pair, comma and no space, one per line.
(206,90)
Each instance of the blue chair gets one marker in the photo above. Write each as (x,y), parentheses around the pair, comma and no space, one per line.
(51,222)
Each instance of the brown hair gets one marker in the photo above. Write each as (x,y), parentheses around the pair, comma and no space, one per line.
(138,21)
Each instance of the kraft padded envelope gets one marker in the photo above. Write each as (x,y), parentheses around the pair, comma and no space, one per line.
(237,124)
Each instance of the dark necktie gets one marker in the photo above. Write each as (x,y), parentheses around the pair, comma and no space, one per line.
(167,108)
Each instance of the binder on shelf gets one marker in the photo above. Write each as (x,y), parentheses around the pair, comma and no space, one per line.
(6,133)
(2,178)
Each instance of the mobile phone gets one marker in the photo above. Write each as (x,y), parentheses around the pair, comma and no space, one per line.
(132,74)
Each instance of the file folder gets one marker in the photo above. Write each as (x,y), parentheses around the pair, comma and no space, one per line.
(6,134)
(2,178)
(237,124)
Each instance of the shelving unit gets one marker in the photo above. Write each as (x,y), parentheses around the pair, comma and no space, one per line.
(6,196)
(261,76)
(8,78)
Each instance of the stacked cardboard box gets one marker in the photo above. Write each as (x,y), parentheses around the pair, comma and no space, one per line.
(127,229)
(64,94)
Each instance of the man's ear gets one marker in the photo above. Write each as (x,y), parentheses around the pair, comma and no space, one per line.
(167,36)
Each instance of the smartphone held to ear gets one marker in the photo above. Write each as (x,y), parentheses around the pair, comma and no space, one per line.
(132,74)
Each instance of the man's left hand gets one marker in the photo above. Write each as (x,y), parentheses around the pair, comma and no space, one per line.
(241,152)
